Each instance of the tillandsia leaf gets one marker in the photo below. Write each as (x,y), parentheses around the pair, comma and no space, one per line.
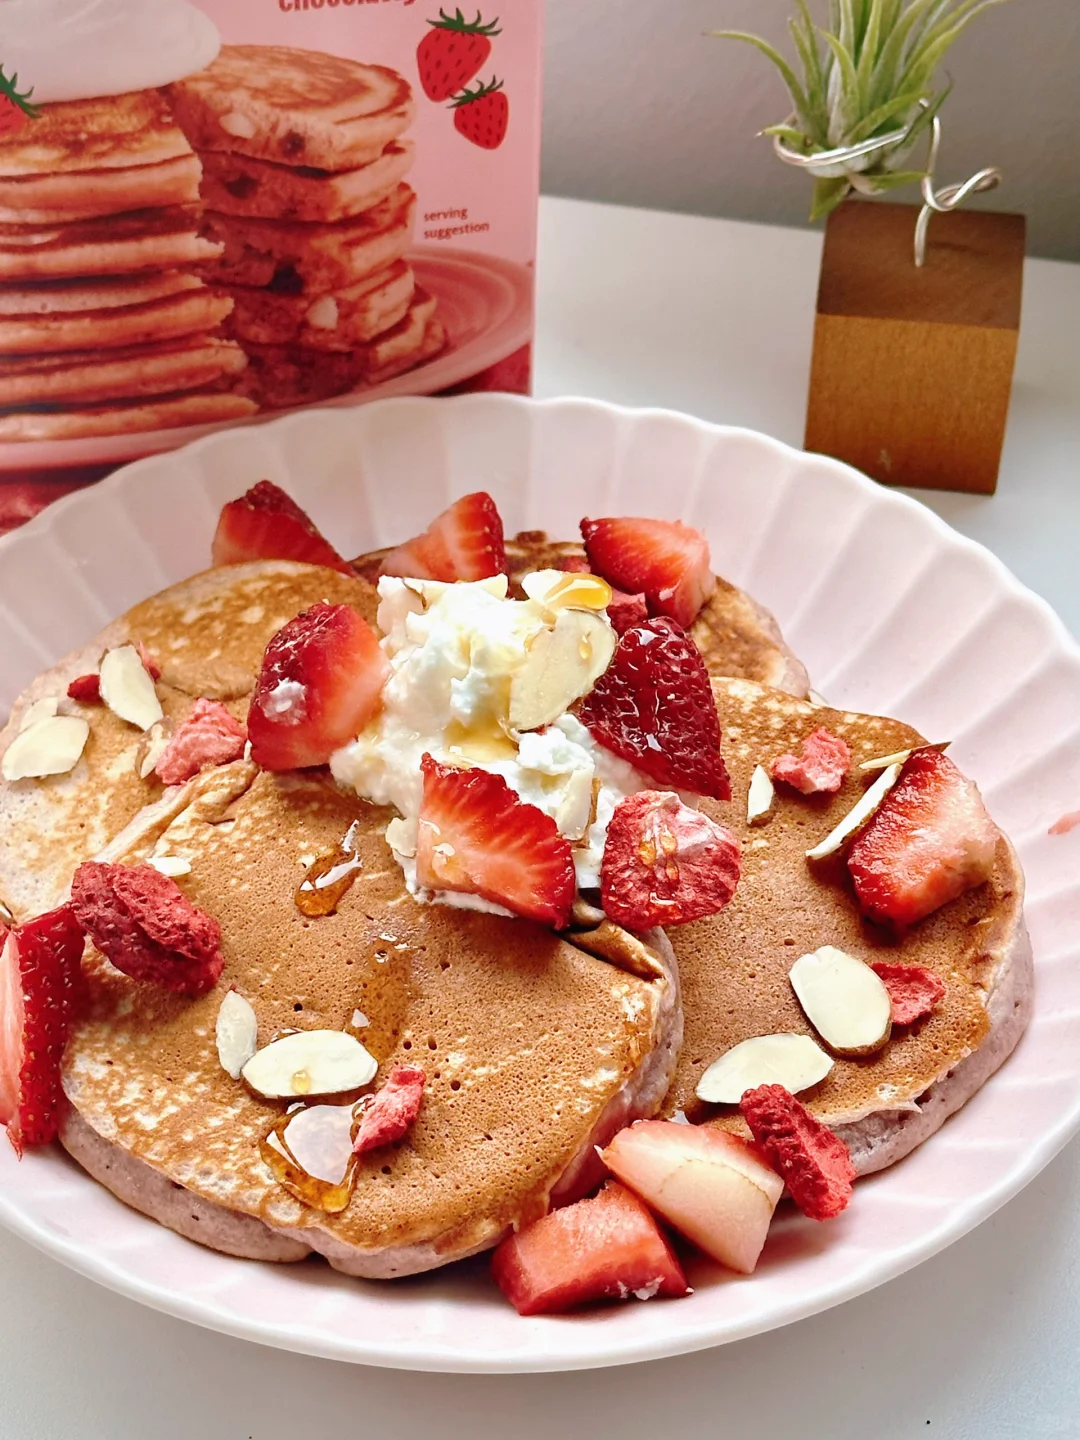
(793,138)
(877,183)
(805,38)
(897,113)
(798,95)
(844,100)
(828,194)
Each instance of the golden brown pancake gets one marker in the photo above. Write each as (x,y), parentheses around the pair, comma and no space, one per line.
(208,635)
(295,258)
(295,107)
(88,377)
(151,239)
(335,322)
(125,310)
(735,965)
(165,412)
(239,185)
(78,136)
(66,195)
(533,1049)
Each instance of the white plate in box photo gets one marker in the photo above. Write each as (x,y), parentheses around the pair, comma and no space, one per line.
(892,611)
(484,301)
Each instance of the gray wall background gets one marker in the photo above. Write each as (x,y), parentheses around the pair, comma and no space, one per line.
(642,110)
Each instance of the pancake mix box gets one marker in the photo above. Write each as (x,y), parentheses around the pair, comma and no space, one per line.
(215,212)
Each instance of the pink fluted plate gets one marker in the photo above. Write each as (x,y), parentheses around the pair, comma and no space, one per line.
(891,610)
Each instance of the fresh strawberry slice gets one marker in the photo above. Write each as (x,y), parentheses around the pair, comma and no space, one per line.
(665,864)
(41,993)
(929,841)
(267,524)
(654,706)
(392,1111)
(321,682)
(814,1163)
(819,769)
(477,837)
(665,559)
(464,543)
(914,991)
(606,1248)
(625,610)
(209,736)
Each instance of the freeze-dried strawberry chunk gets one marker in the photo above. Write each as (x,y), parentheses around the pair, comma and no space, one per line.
(654,706)
(86,689)
(209,736)
(820,768)
(915,992)
(391,1113)
(665,864)
(625,610)
(814,1163)
(267,524)
(146,926)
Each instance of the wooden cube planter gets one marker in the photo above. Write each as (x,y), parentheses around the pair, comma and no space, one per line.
(912,368)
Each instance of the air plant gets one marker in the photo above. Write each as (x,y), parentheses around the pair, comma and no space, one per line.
(867,75)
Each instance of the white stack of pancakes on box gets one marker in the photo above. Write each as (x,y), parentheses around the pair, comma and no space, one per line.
(304,166)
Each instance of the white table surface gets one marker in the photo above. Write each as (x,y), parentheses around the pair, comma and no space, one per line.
(714,318)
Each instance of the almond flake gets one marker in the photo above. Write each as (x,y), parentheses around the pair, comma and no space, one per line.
(794,1061)
(237,1032)
(564,662)
(50,747)
(847,1004)
(760,796)
(857,817)
(127,689)
(310,1062)
(39,710)
(172,865)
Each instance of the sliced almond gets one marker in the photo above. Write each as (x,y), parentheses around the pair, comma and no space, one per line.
(563,663)
(760,796)
(39,710)
(898,757)
(151,748)
(816,699)
(127,688)
(51,747)
(172,865)
(794,1061)
(843,999)
(311,1062)
(858,815)
(237,1032)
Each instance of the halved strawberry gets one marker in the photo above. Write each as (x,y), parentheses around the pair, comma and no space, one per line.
(665,864)
(41,993)
(464,543)
(477,837)
(606,1248)
(267,524)
(654,706)
(930,840)
(667,560)
(321,682)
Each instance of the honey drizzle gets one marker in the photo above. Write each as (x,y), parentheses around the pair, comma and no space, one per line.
(315,1162)
(329,878)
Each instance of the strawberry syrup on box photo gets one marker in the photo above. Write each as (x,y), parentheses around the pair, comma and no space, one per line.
(216,211)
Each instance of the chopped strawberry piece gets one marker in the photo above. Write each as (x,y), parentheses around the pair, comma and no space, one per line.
(626,610)
(606,1248)
(665,559)
(321,682)
(654,706)
(267,524)
(930,840)
(820,768)
(464,543)
(392,1111)
(814,1163)
(665,864)
(209,736)
(915,992)
(146,926)
(477,837)
(150,665)
(42,992)
(86,689)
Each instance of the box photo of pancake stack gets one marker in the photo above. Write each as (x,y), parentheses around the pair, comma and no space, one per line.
(214,212)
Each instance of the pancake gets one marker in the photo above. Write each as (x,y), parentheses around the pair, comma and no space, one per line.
(207,635)
(128,310)
(89,377)
(735,965)
(338,321)
(282,376)
(293,258)
(135,417)
(65,195)
(734,633)
(75,137)
(239,185)
(534,1050)
(294,107)
(152,239)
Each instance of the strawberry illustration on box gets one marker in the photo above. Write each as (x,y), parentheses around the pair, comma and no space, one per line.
(483,115)
(16,108)
(452,53)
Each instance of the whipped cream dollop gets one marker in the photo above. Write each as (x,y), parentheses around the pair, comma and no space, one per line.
(454,651)
(83,49)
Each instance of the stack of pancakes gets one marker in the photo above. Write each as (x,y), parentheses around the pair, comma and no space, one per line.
(304,167)
(106,324)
